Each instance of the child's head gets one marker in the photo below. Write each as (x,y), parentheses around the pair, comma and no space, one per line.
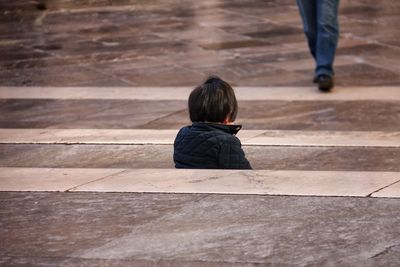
(213,101)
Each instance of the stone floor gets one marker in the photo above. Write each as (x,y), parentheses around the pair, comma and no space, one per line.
(170,42)
(92,229)
(92,92)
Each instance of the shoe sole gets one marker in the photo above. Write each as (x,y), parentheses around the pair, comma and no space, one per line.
(325,86)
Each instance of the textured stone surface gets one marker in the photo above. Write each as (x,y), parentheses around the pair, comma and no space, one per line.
(42,179)
(111,228)
(124,114)
(160,156)
(125,43)
(70,261)
(192,181)
(307,158)
(264,182)
(83,114)
(178,43)
(290,138)
(305,115)
(159,93)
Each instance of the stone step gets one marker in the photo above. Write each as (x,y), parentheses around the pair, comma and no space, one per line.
(367,115)
(160,156)
(263,182)
(266,149)
(166,137)
(348,93)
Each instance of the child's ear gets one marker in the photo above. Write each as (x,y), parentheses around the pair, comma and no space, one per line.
(227,121)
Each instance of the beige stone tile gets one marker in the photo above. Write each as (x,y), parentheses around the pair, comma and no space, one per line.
(326,138)
(47,179)
(375,93)
(87,136)
(182,93)
(318,183)
(390,191)
(167,137)
(329,183)
(170,181)
(248,137)
(245,135)
(139,93)
(306,183)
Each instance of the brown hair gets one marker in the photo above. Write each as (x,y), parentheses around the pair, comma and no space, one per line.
(213,101)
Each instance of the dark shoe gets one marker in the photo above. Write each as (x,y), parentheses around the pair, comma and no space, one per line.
(325,83)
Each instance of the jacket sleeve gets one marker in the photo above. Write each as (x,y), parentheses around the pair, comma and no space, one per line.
(232,156)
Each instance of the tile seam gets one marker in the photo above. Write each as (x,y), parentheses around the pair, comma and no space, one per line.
(171,143)
(380,189)
(96,180)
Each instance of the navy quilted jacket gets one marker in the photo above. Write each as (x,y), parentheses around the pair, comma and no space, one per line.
(209,146)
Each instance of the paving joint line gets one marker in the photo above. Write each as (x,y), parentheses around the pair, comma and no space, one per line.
(114,76)
(96,180)
(380,189)
(384,251)
(244,144)
(163,117)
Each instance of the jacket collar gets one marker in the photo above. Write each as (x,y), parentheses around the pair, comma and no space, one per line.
(229,128)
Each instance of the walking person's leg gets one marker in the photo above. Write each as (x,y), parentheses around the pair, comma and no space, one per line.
(327,39)
(308,12)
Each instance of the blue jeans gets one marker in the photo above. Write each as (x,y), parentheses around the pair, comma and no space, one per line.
(320,23)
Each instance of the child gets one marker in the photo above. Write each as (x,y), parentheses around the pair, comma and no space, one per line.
(210,142)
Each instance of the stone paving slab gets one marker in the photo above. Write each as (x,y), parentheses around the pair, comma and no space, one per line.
(40,179)
(251,43)
(326,138)
(245,182)
(167,137)
(75,114)
(118,229)
(366,115)
(89,136)
(160,156)
(348,93)
(71,261)
(264,182)
(324,158)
